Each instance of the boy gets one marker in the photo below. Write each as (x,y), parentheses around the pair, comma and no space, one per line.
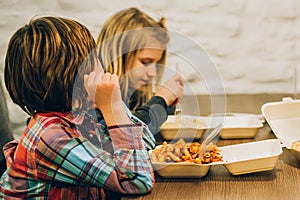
(52,73)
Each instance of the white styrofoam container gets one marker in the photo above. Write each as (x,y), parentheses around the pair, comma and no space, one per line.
(234,127)
(182,126)
(240,127)
(251,157)
(181,169)
(284,119)
(238,159)
(233,114)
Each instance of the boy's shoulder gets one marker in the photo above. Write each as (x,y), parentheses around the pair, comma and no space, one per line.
(50,126)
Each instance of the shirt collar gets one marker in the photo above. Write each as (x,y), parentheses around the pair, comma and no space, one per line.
(74,117)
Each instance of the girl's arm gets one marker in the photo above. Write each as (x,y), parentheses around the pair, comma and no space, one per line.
(154,113)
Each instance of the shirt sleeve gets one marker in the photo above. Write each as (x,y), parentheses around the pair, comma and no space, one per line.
(148,138)
(154,113)
(76,161)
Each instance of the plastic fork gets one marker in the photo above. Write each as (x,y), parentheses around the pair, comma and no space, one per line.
(210,139)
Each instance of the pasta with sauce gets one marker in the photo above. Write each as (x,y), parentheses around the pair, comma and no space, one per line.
(186,152)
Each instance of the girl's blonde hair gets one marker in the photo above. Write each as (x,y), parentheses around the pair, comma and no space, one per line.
(121,36)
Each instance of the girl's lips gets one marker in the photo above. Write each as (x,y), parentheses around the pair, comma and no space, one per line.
(144,82)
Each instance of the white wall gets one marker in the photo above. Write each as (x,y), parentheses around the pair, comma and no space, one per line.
(254,44)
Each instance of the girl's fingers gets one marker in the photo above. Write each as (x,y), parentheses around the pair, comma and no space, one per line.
(179,79)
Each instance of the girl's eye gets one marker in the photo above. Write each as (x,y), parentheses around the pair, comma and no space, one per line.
(146,63)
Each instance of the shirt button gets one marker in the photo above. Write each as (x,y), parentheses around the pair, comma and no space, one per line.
(91,135)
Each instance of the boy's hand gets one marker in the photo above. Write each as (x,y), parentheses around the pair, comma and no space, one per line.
(172,90)
(103,89)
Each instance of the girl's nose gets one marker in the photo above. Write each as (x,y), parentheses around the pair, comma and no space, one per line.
(151,70)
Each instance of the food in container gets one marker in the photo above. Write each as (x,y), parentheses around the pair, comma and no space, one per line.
(238,159)
(183,160)
(183,152)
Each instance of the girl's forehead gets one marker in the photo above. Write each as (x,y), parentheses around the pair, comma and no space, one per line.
(150,52)
(154,43)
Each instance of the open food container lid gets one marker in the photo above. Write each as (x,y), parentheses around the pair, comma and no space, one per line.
(284,119)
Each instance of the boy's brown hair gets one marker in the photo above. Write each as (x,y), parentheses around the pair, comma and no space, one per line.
(44,59)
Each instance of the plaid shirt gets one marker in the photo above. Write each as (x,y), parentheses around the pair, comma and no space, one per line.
(53,160)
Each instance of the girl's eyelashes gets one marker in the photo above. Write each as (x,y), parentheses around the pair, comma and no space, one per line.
(146,62)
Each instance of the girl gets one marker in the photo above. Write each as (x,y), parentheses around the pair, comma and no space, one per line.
(133,45)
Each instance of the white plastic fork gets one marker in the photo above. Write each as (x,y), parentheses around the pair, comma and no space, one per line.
(210,138)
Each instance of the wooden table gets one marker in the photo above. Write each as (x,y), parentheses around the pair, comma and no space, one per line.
(283,182)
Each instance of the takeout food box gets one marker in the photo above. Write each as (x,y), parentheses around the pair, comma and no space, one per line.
(181,169)
(284,119)
(182,126)
(251,157)
(187,126)
(238,159)
(240,127)
(181,159)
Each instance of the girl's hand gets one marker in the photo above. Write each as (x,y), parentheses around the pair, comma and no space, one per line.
(172,90)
